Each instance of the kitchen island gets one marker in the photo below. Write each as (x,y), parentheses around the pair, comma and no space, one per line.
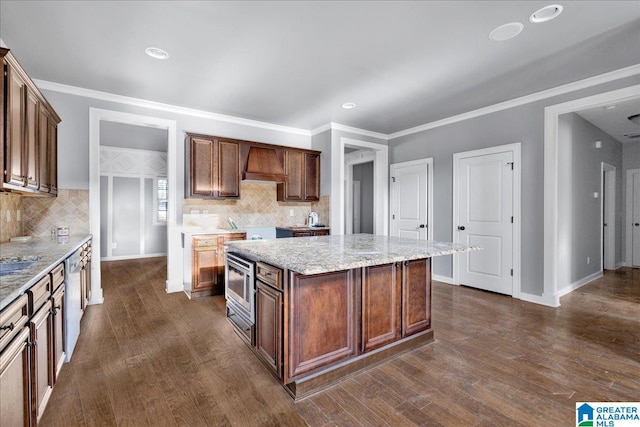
(329,306)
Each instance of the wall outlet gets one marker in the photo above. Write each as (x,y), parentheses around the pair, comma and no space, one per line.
(8,216)
(114,245)
(195,212)
(290,212)
(18,215)
(205,212)
(588,260)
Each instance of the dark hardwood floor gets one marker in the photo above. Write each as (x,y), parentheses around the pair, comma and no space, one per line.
(145,357)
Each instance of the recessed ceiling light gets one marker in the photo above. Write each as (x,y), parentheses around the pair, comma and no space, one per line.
(156,52)
(609,107)
(348,105)
(506,31)
(545,14)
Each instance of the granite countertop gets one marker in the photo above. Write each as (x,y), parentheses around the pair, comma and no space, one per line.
(321,254)
(49,252)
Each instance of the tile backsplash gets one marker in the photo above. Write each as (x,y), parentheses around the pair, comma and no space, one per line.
(69,209)
(257,207)
(11,216)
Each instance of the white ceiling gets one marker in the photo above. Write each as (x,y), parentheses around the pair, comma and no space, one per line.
(293,63)
(615,122)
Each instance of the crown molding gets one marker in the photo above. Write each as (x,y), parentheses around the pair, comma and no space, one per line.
(534,97)
(137,102)
(345,128)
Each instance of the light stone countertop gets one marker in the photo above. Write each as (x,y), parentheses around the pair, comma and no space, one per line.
(322,254)
(50,253)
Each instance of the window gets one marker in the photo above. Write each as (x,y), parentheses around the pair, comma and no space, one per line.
(161,199)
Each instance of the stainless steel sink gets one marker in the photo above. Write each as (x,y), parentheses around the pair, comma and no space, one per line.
(11,265)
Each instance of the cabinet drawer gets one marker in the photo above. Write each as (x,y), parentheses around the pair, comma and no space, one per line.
(12,320)
(205,241)
(39,293)
(269,274)
(57,276)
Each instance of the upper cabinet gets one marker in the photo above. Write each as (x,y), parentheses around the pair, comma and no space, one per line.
(214,168)
(29,132)
(303,176)
(216,165)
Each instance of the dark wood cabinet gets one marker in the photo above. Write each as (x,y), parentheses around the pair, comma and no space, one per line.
(381,308)
(207,263)
(269,326)
(303,177)
(29,133)
(289,232)
(42,375)
(214,168)
(416,295)
(15,403)
(58,312)
(321,321)
(85,276)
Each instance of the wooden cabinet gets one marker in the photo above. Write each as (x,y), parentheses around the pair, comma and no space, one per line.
(381,289)
(321,321)
(269,326)
(28,132)
(303,177)
(288,232)
(207,263)
(214,168)
(15,404)
(58,312)
(42,375)
(85,276)
(416,296)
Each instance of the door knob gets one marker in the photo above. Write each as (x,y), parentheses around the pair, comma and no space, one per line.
(637,224)
(461,228)
(422,226)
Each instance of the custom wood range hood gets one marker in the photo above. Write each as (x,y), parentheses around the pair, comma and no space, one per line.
(263,164)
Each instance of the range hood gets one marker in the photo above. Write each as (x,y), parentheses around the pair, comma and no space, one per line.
(264,164)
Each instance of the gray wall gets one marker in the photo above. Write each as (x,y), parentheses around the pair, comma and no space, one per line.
(364,173)
(523,124)
(579,213)
(131,136)
(322,142)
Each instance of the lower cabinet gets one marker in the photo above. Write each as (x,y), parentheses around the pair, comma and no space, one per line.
(207,263)
(15,403)
(381,310)
(59,350)
(41,326)
(85,276)
(269,326)
(416,296)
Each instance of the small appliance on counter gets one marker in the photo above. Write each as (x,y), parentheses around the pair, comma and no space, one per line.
(313,219)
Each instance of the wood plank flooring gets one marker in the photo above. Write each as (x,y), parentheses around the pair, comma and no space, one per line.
(145,357)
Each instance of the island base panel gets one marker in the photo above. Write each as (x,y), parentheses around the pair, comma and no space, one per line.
(304,387)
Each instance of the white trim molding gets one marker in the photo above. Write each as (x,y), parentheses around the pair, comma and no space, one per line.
(137,102)
(629,217)
(174,256)
(444,279)
(580,283)
(527,99)
(553,267)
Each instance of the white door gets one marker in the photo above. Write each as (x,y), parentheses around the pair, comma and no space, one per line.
(357,204)
(409,200)
(608,216)
(635,262)
(485,215)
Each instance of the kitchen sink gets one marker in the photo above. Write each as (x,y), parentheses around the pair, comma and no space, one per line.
(11,265)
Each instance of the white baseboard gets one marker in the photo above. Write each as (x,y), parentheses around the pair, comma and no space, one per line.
(172,287)
(578,284)
(548,300)
(444,279)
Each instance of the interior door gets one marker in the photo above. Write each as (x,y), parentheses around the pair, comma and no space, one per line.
(635,261)
(485,209)
(357,203)
(409,201)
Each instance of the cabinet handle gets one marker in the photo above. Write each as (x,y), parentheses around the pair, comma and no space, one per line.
(56,308)
(11,327)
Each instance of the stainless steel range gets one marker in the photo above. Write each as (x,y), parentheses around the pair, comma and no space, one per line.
(240,293)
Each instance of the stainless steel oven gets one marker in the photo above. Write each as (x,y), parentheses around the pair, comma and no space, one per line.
(240,290)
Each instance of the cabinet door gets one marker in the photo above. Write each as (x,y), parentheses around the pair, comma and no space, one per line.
(15,149)
(228,185)
(321,232)
(381,288)
(322,321)
(201,172)
(416,296)
(311,177)
(59,349)
(294,186)
(52,152)
(31,142)
(205,268)
(269,326)
(303,233)
(15,402)
(43,151)
(41,359)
